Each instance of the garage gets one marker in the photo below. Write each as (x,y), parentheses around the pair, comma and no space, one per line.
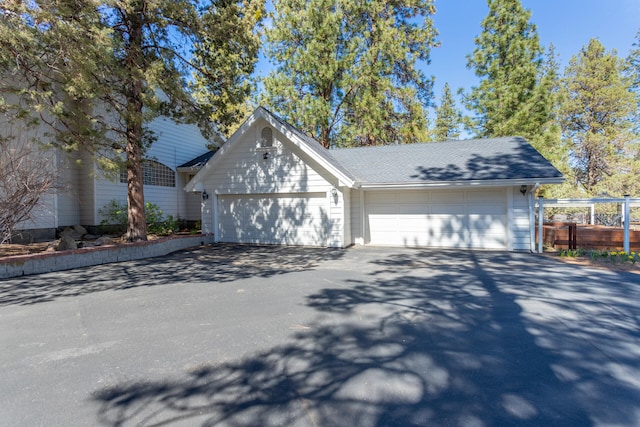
(298,219)
(452,219)
(270,183)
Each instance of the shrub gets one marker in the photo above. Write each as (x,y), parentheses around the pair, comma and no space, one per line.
(115,218)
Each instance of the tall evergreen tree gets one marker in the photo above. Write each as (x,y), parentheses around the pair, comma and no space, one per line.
(447,124)
(507,59)
(346,70)
(633,71)
(97,71)
(596,119)
(544,132)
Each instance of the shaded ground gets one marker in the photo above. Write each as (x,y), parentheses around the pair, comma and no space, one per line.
(271,336)
(599,262)
(602,263)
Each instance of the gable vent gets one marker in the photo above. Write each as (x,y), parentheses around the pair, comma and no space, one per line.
(266,137)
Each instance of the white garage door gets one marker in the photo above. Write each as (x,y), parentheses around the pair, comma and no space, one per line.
(273,219)
(451,219)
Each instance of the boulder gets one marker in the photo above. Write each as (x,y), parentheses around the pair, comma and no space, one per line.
(76,232)
(90,237)
(104,240)
(66,244)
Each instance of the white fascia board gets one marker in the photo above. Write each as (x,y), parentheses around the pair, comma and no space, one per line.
(188,169)
(584,202)
(456,184)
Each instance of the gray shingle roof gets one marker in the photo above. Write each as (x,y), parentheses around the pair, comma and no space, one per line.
(198,161)
(507,158)
(469,160)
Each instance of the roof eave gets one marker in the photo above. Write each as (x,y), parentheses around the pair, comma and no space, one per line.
(458,184)
(187,169)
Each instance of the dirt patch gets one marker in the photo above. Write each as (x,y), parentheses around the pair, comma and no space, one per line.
(600,262)
(33,248)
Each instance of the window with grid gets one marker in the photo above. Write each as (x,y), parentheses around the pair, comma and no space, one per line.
(153,173)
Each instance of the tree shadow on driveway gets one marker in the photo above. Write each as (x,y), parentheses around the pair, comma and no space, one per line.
(217,263)
(427,339)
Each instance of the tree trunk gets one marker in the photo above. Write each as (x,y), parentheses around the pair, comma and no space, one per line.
(136,223)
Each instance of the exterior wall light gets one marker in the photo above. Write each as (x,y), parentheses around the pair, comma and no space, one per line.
(205,196)
(523,189)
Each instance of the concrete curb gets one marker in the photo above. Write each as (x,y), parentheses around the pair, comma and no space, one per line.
(24,265)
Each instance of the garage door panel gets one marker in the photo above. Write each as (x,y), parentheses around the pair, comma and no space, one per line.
(447,197)
(411,197)
(451,209)
(273,219)
(457,219)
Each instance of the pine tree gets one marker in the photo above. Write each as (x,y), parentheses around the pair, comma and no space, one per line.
(98,71)
(633,71)
(447,124)
(346,70)
(596,119)
(507,59)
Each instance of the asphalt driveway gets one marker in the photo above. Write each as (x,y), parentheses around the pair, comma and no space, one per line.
(273,336)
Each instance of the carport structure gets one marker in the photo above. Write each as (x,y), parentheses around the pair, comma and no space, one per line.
(627,203)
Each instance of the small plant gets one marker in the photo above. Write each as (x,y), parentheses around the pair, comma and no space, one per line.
(572,253)
(114,215)
(115,218)
(168,226)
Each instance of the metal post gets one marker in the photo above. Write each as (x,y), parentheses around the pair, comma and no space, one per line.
(532,222)
(540,222)
(627,218)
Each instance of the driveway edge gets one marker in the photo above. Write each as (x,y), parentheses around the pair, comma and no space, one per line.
(25,265)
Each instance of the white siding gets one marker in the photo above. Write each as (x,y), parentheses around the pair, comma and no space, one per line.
(520,233)
(191,201)
(68,197)
(176,144)
(356,209)
(44,214)
(86,190)
(346,198)
(244,171)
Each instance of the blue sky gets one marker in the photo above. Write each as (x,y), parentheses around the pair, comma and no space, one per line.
(568,24)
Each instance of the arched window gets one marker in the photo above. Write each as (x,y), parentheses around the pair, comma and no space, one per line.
(266,137)
(154,173)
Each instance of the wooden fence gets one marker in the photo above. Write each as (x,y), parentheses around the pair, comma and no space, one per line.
(569,235)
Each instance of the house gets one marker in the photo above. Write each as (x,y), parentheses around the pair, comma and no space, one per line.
(272,184)
(85,190)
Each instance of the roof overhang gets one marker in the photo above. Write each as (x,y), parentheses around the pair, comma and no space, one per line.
(189,169)
(456,184)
